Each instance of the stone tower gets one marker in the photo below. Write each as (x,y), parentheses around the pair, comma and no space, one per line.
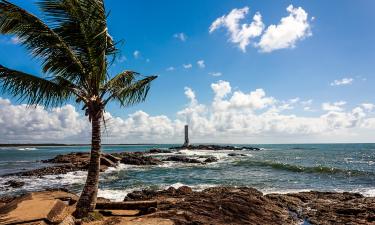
(186,136)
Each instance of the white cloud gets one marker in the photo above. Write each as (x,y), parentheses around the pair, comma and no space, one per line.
(240,34)
(221,89)
(22,124)
(336,106)
(291,29)
(343,81)
(368,106)
(180,36)
(171,68)
(187,66)
(136,54)
(233,116)
(215,74)
(201,64)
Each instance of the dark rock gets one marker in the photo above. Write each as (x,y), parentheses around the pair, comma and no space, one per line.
(329,207)
(156,150)
(184,190)
(53,170)
(112,158)
(235,154)
(215,147)
(14,184)
(139,159)
(211,159)
(219,206)
(228,205)
(183,159)
(107,162)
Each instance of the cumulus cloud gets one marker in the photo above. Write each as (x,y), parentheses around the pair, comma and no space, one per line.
(239,34)
(180,36)
(201,64)
(336,106)
(22,123)
(187,66)
(285,34)
(233,116)
(291,29)
(343,81)
(368,106)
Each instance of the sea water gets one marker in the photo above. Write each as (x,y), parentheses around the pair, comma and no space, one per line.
(276,168)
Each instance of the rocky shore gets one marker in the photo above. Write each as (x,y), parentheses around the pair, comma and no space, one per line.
(78,161)
(183,206)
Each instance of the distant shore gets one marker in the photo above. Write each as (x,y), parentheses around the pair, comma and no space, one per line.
(57,144)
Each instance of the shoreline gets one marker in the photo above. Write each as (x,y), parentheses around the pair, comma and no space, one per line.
(182,204)
(74,164)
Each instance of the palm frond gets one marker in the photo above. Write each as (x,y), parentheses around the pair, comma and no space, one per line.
(119,81)
(129,93)
(82,24)
(57,57)
(33,89)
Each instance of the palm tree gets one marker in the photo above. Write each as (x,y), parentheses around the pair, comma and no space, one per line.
(75,50)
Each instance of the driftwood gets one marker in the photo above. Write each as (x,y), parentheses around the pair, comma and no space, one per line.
(131,205)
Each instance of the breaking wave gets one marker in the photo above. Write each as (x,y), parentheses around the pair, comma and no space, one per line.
(304,169)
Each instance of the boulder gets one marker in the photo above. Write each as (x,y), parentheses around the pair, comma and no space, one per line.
(138,159)
(184,190)
(210,159)
(107,162)
(157,150)
(112,158)
(14,184)
(216,147)
(183,159)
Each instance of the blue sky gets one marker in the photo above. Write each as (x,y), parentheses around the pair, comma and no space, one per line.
(338,44)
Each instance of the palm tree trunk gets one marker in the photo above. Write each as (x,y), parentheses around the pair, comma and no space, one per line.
(87,201)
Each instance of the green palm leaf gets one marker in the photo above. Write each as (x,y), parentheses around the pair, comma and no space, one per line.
(33,89)
(43,42)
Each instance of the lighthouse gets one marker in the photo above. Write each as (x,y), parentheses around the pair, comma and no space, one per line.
(186,143)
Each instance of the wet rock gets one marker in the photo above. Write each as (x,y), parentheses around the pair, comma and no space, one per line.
(235,154)
(139,159)
(183,159)
(76,159)
(211,159)
(53,170)
(112,158)
(328,207)
(184,190)
(14,184)
(157,150)
(107,162)
(216,147)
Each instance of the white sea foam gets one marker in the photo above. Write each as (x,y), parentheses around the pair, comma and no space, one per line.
(114,195)
(284,191)
(220,154)
(26,149)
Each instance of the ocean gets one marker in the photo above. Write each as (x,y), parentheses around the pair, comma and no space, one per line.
(275,169)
